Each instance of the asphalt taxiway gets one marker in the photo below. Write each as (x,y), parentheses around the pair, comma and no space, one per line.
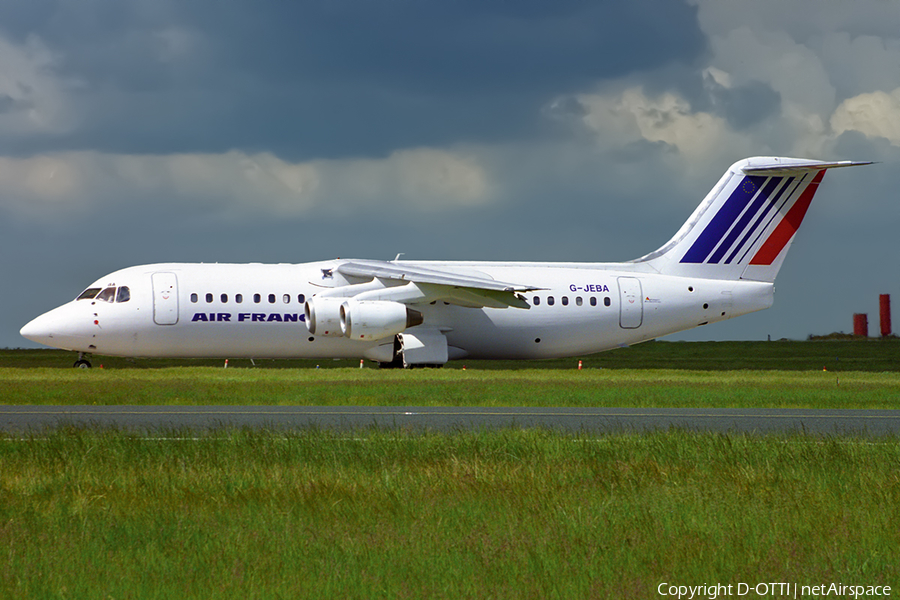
(20,419)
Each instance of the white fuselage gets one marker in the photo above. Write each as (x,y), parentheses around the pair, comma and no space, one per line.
(720,264)
(257,311)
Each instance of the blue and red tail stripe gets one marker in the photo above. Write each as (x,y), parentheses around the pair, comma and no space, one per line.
(783,195)
(745,219)
(749,212)
(788,226)
(723,220)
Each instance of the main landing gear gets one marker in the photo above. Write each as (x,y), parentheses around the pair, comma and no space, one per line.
(399,362)
(82,362)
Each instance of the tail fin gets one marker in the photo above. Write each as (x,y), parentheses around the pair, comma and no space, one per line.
(745,225)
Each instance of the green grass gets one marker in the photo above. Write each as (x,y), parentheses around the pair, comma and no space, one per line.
(478,515)
(657,388)
(837,374)
(872,355)
(491,514)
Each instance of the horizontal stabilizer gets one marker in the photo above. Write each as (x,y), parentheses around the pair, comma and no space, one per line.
(772,167)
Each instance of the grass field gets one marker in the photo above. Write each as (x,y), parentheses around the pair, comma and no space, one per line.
(659,374)
(872,355)
(499,514)
(649,388)
(477,515)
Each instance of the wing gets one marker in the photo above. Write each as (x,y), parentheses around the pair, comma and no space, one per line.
(403,272)
(411,284)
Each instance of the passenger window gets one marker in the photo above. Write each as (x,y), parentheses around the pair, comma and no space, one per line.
(271,298)
(565,300)
(550,301)
(224,298)
(238,298)
(107,295)
(194,298)
(89,294)
(537,300)
(286,298)
(257,298)
(301,298)
(209,298)
(606,301)
(593,301)
(578,301)
(124,294)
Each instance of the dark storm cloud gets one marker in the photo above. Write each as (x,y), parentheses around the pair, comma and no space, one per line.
(448,47)
(9,104)
(313,79)
(746,105)
(741,105)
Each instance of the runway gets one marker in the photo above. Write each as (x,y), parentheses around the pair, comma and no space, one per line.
(23,419)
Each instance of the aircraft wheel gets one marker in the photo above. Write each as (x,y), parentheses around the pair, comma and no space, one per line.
(82,364)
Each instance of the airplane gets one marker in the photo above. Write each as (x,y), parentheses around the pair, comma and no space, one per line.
(720,264)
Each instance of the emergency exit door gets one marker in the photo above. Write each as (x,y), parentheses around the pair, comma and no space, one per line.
(165,298)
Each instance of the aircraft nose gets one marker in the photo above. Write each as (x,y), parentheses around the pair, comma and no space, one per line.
(39,330)
(62,327)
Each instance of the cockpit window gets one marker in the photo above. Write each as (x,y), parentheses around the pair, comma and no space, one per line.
(88,294)
(124,294)
(107,295)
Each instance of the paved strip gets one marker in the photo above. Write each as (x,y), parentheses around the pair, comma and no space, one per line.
(19,419)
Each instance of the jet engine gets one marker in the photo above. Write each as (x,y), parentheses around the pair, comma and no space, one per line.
(376,319)
(323,316)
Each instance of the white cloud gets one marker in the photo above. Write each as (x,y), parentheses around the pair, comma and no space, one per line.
(876,114)
(801,19)
(49,180)
(860,64)
(32,98)
(235,183)
(699,139)
(831,67)
(791,69)
(832,63)
(421,178)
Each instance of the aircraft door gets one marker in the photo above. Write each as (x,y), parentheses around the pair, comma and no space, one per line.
(165,298)
(631,303)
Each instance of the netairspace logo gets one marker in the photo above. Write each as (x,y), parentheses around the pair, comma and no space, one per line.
(771,590)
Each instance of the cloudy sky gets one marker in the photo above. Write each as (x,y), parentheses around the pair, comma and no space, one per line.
(141,131)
